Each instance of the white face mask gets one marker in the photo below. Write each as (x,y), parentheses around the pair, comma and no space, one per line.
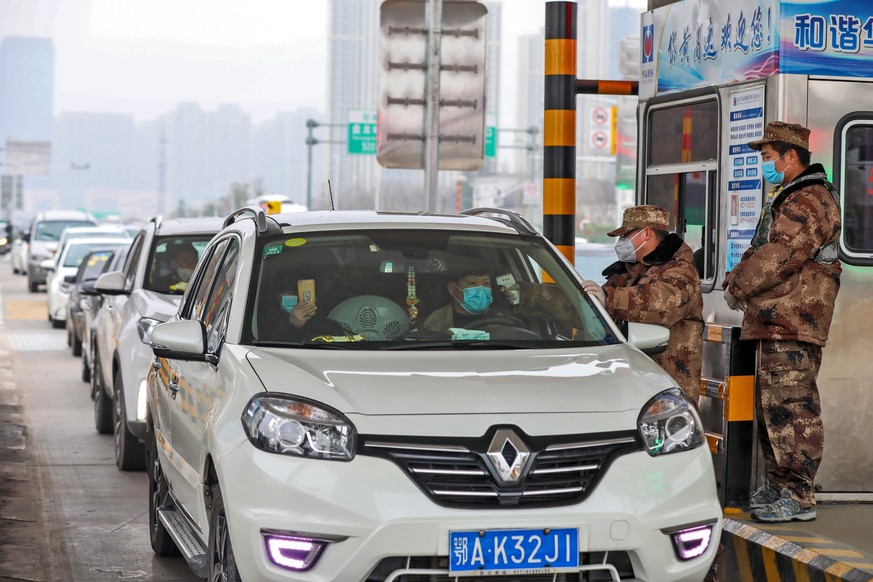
(625,250)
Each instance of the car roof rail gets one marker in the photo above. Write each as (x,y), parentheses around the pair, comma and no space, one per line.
(254,212)
(509,217)
(157,220)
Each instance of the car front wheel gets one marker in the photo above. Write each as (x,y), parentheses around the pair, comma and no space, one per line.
(102,403)
(222,564)
(129,452)
(159,496)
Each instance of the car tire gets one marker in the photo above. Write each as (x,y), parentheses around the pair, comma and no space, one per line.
(58,323)
(129,451)
(159,496)
(86,371)
(102,403)
(77,346)
(69,337)
(222,563)
(32,287)
(15,271)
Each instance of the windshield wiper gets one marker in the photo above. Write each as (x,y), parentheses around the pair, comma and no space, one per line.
(457,345)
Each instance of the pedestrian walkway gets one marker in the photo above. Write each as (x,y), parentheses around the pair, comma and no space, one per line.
(838,545)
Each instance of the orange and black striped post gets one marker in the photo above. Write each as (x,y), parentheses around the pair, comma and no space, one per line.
(559,131)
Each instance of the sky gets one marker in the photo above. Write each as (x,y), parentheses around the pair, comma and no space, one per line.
(145,56)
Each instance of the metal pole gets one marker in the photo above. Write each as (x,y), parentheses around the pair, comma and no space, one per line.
(432,102)
(310,125)
(559,135)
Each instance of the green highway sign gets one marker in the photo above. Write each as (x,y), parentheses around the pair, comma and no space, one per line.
(362,132)
(490,141)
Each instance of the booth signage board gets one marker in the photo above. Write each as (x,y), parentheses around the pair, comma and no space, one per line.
(701,43)
(744,181)
(362,132)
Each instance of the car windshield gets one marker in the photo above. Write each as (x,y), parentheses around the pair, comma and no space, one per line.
(76,253)
(51,230)
(172,261)
(418,289)
(94,265)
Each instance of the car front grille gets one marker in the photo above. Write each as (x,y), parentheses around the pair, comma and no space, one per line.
(460,473)
(599,568)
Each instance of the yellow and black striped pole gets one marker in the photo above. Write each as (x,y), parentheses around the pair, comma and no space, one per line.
(559,131)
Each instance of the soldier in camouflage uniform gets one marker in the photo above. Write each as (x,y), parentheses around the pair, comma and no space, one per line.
(787,283)
(655,281)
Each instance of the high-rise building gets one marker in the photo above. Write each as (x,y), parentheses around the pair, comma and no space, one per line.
(353,47)
(26,113)
(26,89)
(529,103)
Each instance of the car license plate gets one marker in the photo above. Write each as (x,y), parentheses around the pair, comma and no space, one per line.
(511,550)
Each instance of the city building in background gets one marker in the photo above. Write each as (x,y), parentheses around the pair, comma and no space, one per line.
(26,118)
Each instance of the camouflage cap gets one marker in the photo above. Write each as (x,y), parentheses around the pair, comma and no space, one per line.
(790,133)
(646,216)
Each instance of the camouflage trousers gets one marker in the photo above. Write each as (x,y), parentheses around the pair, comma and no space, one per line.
(789,415)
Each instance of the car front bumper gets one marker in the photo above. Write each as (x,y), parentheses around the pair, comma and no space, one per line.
(382,514)
(36,274)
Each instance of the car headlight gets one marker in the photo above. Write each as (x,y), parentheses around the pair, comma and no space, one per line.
(145,326)
(669,424)
(289,426)
(38,258)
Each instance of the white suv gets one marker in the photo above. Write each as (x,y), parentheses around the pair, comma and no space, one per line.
(397,436)
(145,292)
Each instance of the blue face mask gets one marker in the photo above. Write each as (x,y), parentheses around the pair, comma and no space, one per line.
(288,302)
(476,300)
(768,170)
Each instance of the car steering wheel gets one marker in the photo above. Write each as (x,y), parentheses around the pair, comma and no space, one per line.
(504,320)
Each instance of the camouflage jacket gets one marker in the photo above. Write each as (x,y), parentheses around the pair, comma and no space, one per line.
(788,282)
(664,288)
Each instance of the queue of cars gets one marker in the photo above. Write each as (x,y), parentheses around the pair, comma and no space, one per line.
(535,441)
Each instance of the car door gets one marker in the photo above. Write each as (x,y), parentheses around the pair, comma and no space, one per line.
(197,381)
(114,306)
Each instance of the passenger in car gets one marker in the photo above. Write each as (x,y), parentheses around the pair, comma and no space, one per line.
(176,266)
(282,317)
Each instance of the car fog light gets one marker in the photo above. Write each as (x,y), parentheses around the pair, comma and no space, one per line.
(293,553)
(691,543)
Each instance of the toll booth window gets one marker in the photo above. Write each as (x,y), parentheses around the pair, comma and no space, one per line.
(687,133)
(690,199)
(857,190)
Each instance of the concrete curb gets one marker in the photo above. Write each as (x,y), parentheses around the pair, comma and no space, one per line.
(753,555)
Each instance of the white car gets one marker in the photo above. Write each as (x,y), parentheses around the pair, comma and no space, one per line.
(144,293)
(62,270)
(372,443)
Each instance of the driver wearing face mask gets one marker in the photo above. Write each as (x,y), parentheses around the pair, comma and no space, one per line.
(472,299)
(655,281)
(181,258)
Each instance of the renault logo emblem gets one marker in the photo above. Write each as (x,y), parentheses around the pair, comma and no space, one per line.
(508,455)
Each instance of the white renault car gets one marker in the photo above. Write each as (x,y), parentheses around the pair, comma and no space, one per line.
(336,401)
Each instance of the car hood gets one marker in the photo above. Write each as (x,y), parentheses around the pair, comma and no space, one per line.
(600,379)
(156,305)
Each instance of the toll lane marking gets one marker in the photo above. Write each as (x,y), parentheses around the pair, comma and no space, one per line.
(26,310)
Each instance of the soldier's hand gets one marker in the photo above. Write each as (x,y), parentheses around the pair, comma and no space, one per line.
(596,290)
(733,302)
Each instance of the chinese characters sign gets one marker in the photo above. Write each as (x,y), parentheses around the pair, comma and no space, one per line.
(828,38)
(746,115)
(698,43)
(362,132)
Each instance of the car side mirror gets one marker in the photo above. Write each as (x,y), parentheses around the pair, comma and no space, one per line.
(111,283)
(180,340)
(70,279)
(88,289)
(649,338)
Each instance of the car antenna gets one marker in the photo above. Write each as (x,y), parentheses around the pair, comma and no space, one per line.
(330,191)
